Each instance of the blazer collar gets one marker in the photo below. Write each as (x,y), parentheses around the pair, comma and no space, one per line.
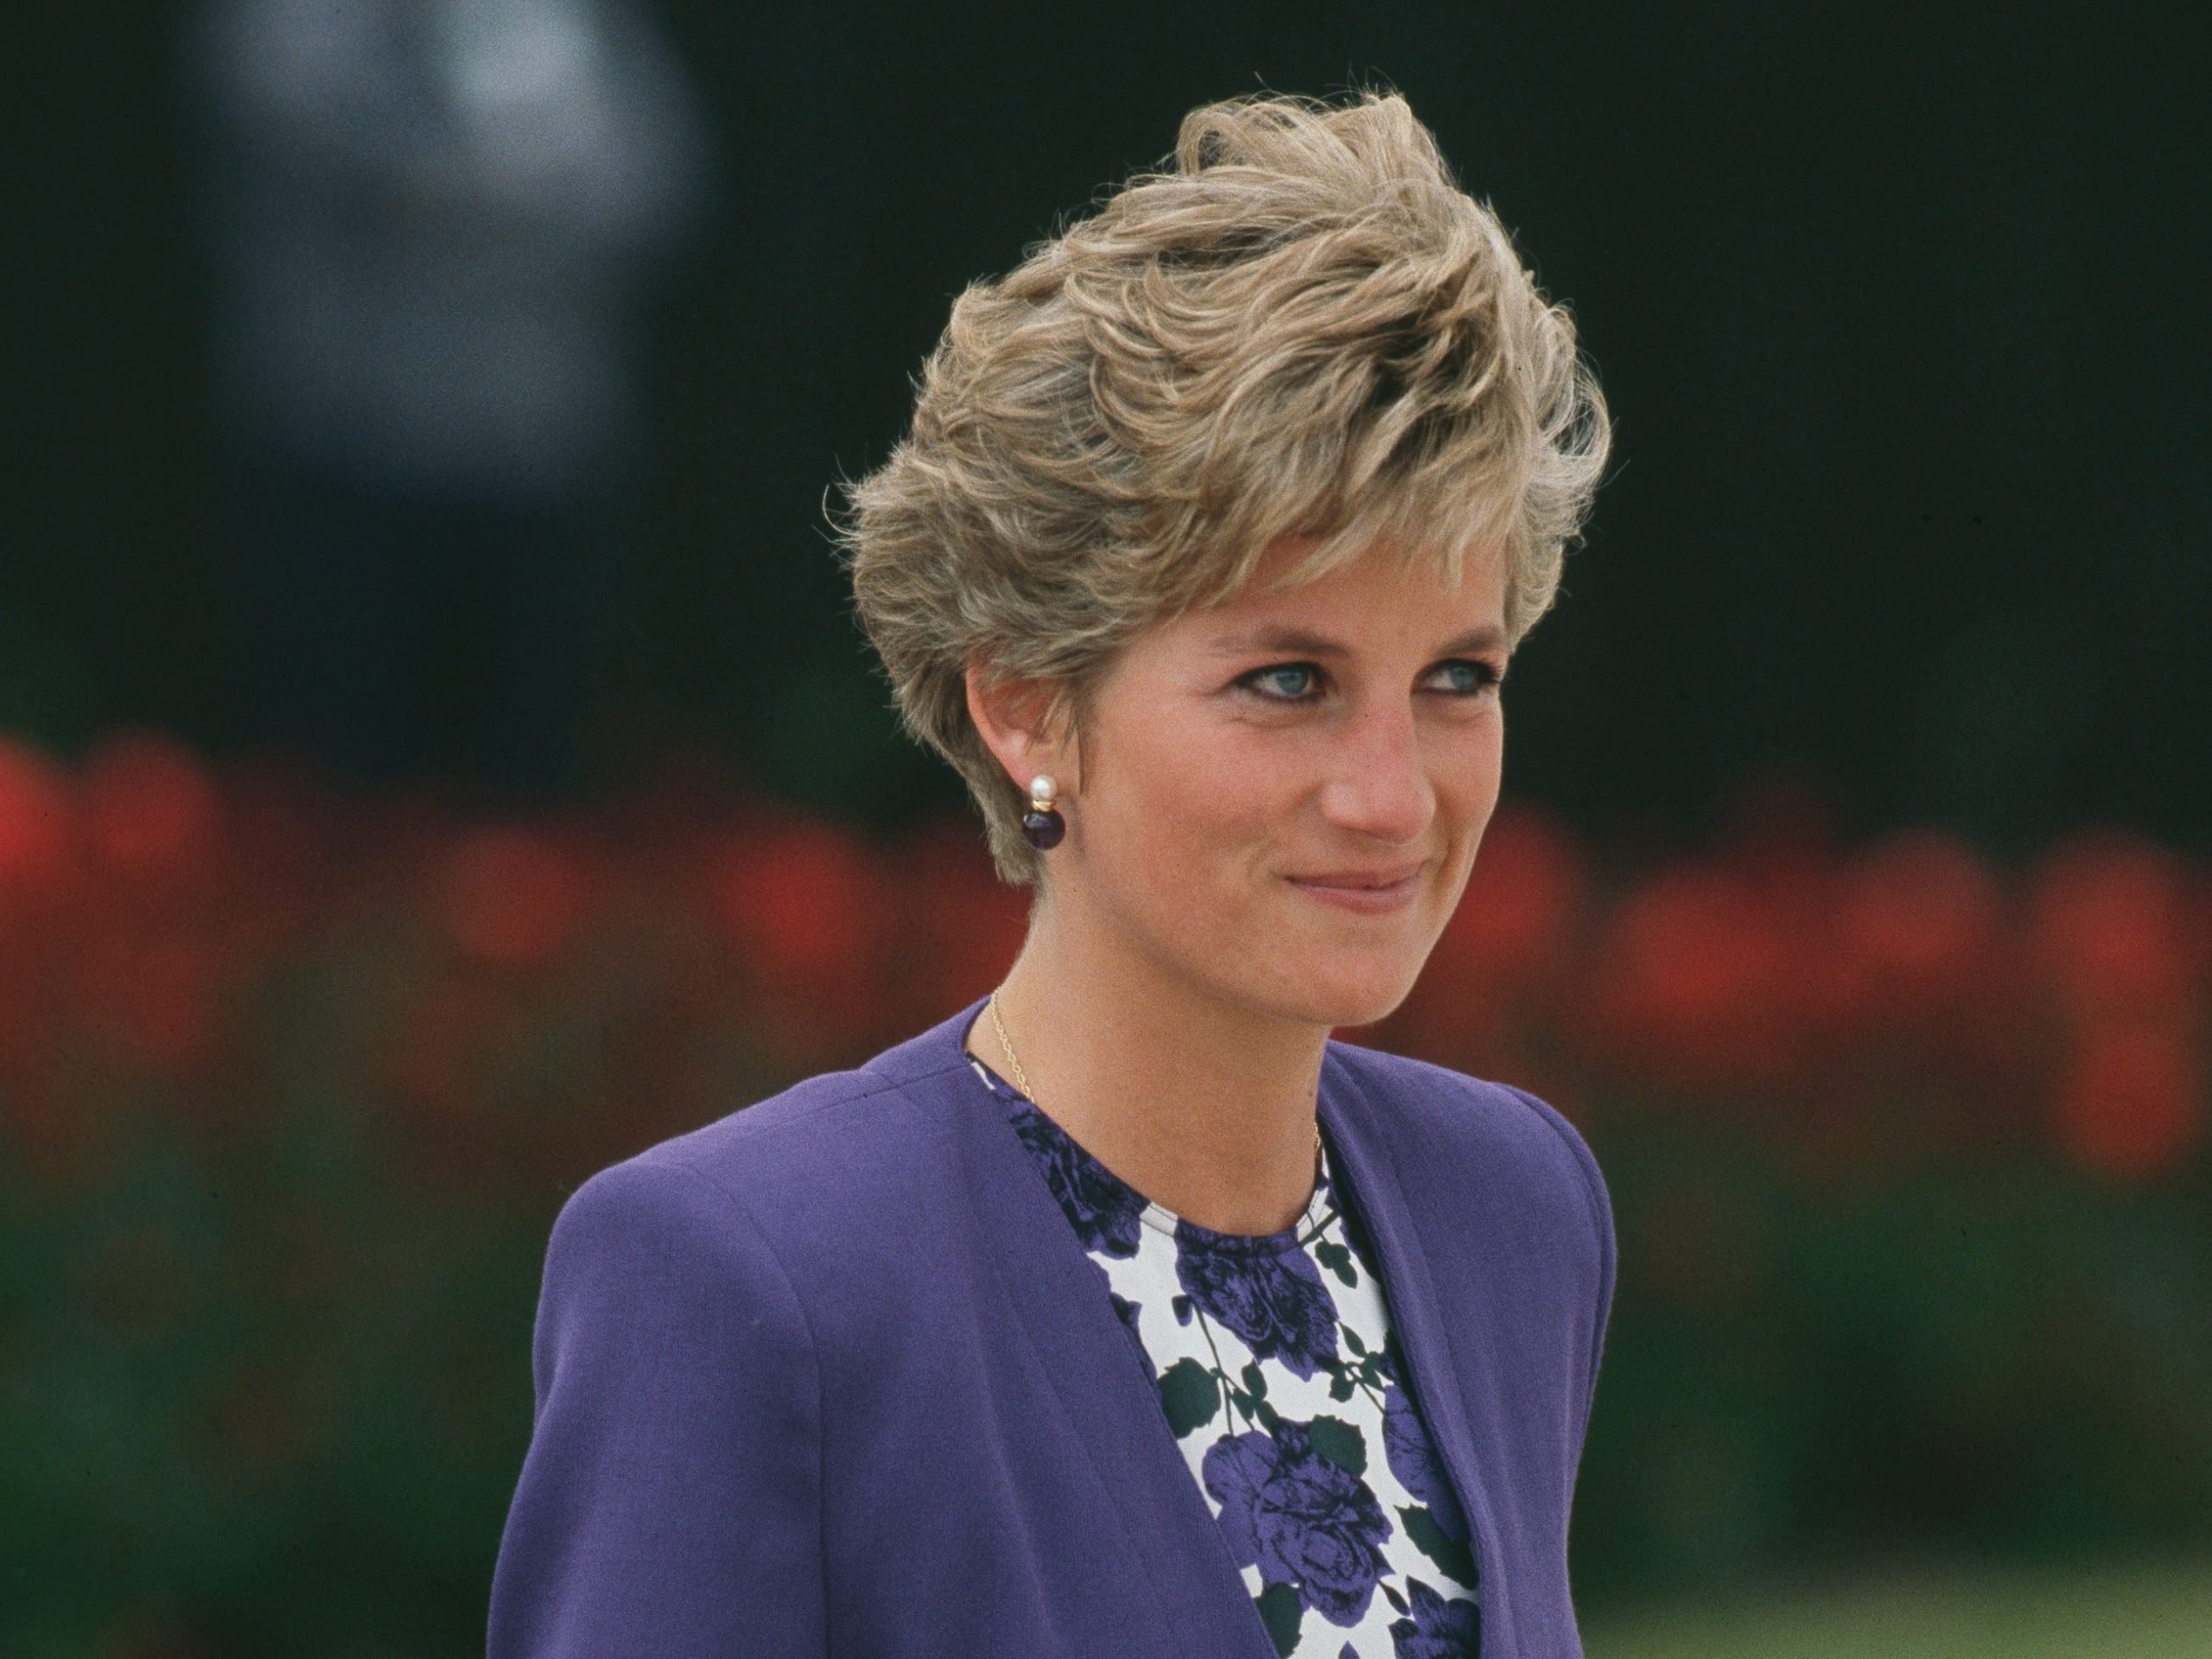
(1109,1405)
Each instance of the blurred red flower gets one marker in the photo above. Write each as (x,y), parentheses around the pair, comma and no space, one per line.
(807,903)
(2113,922)
(2131,1099)
(1697,982)
(1505,949)
(1780,970)
(151,810)
(37,819)
(513,898)
(961,926)
(1922,920)
(809,909)
(1517,913)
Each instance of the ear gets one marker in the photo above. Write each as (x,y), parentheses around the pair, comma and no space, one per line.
(1017,721)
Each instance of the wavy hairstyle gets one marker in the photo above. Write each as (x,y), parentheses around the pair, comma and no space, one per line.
(1299,325)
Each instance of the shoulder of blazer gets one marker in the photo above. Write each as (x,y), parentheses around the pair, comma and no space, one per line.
(854,1181)
(1458,1142)
(1472,1122)
(824,1135)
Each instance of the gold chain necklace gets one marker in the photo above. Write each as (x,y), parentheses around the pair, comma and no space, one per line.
(1022,1078)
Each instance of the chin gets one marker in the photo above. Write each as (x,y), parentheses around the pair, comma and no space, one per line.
(1367,1011)
(1353,995)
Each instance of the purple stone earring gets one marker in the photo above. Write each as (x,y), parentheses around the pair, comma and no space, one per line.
(1042,826)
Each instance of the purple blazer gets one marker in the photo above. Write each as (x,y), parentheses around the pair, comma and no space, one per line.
(834,1376)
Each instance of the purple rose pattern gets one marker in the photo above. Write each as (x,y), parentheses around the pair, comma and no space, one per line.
(1273,1298)
(1413,1460)
(1434,1628)
(1301,1519)
(1107,1213)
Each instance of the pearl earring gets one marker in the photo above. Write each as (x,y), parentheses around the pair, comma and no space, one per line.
(1042,824)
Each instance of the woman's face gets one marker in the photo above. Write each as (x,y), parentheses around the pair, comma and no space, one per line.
(1278,799)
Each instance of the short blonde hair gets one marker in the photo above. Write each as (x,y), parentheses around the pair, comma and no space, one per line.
(1302,325)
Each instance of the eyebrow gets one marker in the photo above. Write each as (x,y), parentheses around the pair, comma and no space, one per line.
(1304,643)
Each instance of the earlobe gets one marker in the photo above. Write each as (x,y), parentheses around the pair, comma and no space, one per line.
(1012,717)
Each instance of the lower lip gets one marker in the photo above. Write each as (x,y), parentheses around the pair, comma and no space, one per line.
(1361,901)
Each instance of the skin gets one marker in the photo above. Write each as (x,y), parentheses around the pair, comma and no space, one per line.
(1238,769)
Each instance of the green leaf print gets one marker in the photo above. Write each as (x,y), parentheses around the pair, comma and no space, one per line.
(1280,1610)
(1340,1443)
(1190,1394)
(1452,1556)
(1337,1259)
(1352,1340)
(1254,1382)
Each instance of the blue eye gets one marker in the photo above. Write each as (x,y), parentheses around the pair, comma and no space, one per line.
(1284,681)
(1464,677)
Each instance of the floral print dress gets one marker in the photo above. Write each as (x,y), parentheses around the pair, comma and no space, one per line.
(1283,1381)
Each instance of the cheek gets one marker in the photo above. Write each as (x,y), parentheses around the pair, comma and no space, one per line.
(1479,764)
(1467,787)
(1192,814)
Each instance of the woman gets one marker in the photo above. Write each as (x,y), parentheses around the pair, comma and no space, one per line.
(1125,1313)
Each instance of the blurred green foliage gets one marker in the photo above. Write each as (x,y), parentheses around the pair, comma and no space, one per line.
(1995,1357)
(2159,1609)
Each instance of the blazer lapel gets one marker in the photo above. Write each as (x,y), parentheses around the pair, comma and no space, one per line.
(1200,1606)
(1360,1128)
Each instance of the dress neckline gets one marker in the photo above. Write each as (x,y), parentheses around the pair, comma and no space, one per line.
(1321,1208)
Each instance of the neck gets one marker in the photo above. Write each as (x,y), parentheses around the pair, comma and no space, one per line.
(1202,1105)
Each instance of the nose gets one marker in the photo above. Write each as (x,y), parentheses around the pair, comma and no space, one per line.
(1378,785)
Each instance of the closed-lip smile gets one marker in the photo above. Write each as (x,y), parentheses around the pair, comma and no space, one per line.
(1371,892)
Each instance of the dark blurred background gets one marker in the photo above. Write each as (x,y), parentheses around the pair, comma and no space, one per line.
(1901,315)
(436,757)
